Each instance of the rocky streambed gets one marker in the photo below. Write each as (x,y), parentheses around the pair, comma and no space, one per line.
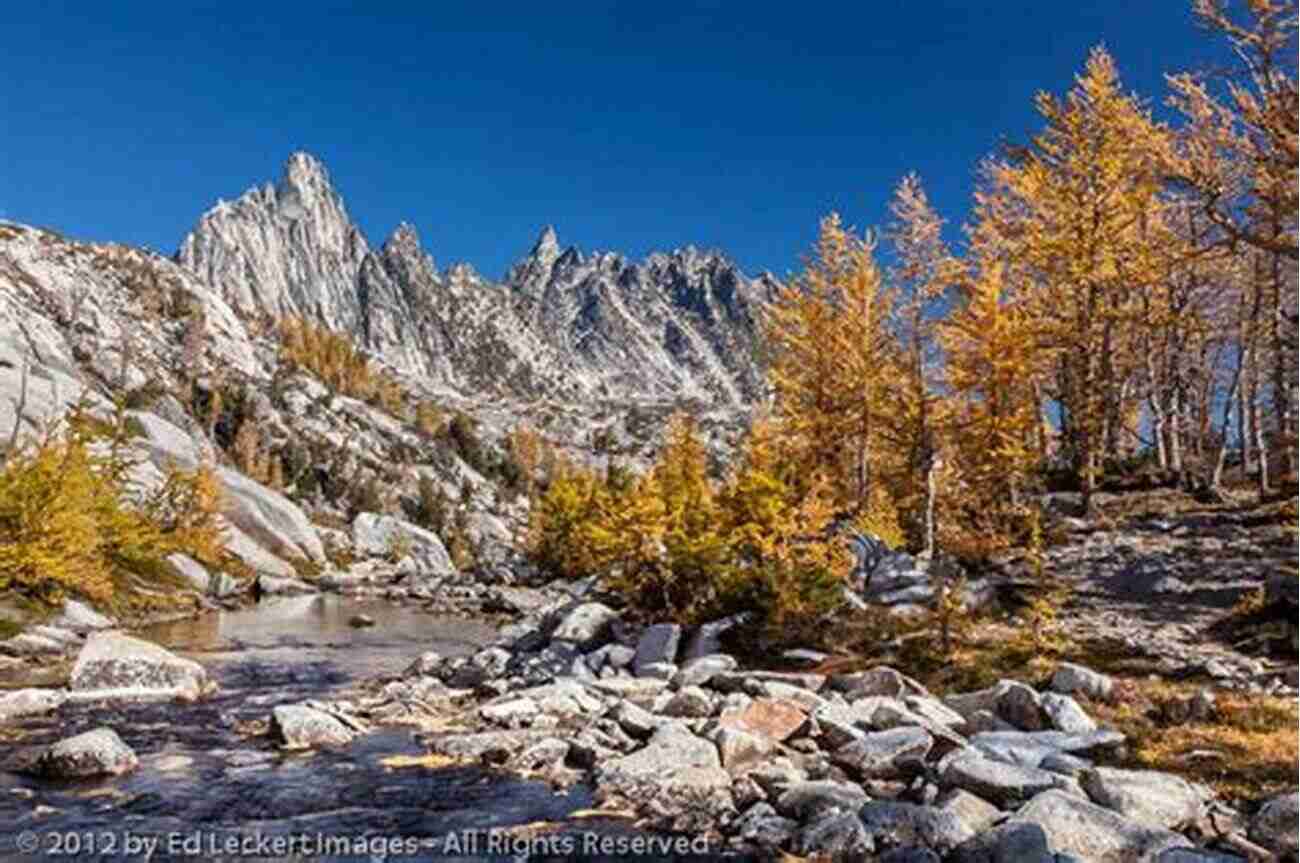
(564,729)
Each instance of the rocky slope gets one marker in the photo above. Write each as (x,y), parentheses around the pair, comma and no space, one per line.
(561,324)
(594,353)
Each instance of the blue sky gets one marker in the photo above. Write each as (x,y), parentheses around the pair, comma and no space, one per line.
(629,126)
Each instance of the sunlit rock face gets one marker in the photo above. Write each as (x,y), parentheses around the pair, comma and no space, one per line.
(560,323)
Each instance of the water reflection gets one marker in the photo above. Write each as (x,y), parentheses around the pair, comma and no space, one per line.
(307,629)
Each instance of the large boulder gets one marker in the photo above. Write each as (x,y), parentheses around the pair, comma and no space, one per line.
(116,665)
(276,524)
(271,519)
(95,753)
(378,535)
(1159,800)
(1094,833)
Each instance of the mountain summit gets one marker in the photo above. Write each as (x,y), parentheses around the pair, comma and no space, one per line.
(561,324)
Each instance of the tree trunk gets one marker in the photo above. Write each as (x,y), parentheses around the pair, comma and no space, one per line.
(1216,475)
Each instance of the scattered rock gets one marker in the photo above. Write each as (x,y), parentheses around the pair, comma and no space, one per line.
(1064,714)
(804,800)
(29,702)
(95,753)
(878,755)
(1000,783)
(1094,833)
(1070,679)
(702,669)
(1159,800)
(297,726)
(774,718)
(587,625)
(658,644)
(891,823)
(79,617)
(1276,825)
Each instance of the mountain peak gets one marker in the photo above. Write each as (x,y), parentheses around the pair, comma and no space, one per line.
(403,236)
(547,246)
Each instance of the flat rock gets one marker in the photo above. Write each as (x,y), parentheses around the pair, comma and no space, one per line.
(670,750)
(477,745)
(1029,748)
(27,644)
(278,585)
(877,755)
(777,719)
(629,687)
(1159,800)
(996,781)
(1092,832)
(115,664)
(510,712)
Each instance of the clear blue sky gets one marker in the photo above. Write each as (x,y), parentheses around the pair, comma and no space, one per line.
(630,126)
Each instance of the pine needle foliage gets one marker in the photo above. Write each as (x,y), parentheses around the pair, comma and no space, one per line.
(678,544)
(336,360)
(73,521)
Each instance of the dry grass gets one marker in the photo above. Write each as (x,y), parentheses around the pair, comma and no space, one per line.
(1248,749)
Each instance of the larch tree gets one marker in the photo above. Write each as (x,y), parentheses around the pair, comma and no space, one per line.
(833,356)
(1237,160)
(924,272)
(1078,216)
(994,364)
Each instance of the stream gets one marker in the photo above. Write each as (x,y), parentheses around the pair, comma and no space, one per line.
(210,786)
